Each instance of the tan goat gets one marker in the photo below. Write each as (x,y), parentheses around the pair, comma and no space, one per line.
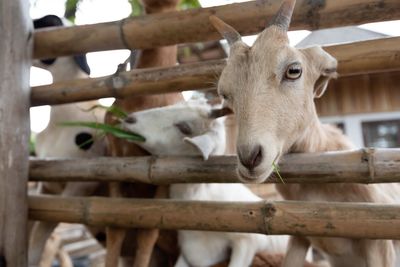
(270,87)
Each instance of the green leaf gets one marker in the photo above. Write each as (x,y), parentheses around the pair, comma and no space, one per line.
(116,111)
(136,8)
(276,170)
(71,6)
(106,128)
(32,142)
(187,4)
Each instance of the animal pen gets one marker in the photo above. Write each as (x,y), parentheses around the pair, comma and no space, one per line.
(19,44)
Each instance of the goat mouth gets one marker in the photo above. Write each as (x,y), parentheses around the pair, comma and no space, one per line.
(249,179)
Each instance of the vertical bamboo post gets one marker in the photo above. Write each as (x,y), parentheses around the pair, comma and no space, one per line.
(15,57)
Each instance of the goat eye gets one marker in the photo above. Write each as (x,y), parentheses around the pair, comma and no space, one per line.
(184,128)
(225,96)
(293,72)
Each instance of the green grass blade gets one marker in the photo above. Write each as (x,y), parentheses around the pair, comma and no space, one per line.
(106,128)
(276,170)
(116,111)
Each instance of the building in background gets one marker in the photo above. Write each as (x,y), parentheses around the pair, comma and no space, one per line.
(365,106)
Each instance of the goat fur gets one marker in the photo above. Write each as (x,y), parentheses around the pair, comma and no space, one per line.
(207,137)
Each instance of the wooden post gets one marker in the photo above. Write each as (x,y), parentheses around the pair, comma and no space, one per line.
(15,55)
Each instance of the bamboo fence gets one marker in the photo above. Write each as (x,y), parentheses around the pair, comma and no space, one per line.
(358,166)
(354,58)
(193,25)
(353,220)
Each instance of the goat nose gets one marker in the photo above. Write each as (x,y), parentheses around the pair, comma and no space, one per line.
(251,158)
(130,119)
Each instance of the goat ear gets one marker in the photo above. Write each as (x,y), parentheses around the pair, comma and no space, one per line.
(81,61)
(213,141)
(325,67)
(203,143)
(47,21)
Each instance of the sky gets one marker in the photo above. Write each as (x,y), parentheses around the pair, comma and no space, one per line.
(105,63)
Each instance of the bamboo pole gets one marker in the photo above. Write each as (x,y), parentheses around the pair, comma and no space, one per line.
(358,166)
(15,55)
(354,58)
(136,82)
(281,217)
(193,25)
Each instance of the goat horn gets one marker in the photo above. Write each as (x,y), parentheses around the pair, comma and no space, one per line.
(284,15)
(217,113)
(227,31)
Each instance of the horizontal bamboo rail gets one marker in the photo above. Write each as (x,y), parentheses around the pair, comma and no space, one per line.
(354,58)
(140,81)
(193,25)
(358,166)
(281,217)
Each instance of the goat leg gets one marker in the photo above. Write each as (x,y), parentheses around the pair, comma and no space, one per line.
(40,234)
(41,231)
(181,262)
(296,252)
(242,254)
(147,238)
(115,236)
(64,258)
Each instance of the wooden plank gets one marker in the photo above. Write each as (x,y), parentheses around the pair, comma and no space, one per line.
(358,166)
(354,58)
(379,55)
(15,55)
(193,25)
(366,93)
(280,217)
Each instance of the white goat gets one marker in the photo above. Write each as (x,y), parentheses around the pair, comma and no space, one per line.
(187,129)
(65,142)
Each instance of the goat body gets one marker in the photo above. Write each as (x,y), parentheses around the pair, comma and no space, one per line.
(341,252)
(187,129)
(203,248)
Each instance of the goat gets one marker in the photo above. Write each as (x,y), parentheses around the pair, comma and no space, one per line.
(154,57)
(270,87)
(188,129)
(57,141)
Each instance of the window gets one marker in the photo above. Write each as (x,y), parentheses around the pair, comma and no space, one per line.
(341,126)
(384,134)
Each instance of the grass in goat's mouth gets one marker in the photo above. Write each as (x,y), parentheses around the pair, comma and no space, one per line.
(104,128)
(115,111)
(276,170)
